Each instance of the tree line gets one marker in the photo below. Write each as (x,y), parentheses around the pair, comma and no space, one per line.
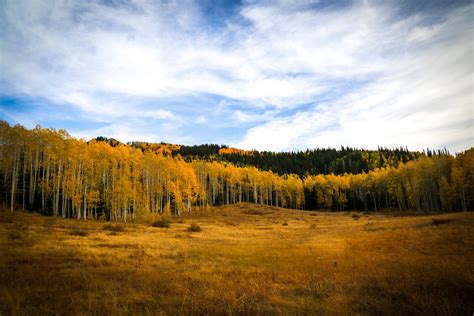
(428,184)
(312,161)
(320,160)
(50,171)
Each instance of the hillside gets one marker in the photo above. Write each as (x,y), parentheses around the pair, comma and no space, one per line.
(310,161)
(247,259)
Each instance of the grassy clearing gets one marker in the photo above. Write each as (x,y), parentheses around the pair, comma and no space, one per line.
(244,261)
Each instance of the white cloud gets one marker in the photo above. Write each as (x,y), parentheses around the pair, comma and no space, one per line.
(391,80)
(201,119)
(92,48)
(286,133)
(422,98)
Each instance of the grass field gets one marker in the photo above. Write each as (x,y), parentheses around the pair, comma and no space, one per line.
(246,260)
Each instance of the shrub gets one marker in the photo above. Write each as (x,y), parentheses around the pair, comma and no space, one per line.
(162,223)
(79,232)
(114,228)
(7,219)
(194,228)
(15,235)
(437,221)
(285,224)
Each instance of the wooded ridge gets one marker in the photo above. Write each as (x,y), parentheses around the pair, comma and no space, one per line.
(312,161)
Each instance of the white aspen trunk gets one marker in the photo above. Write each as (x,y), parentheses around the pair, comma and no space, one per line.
(31,194)
(255,196)
(240,192)
(58,185)
(47,176)
(33,177)
(14,177)
(78,186)
(24,182)
(85,201)
(55,195)
(64,204)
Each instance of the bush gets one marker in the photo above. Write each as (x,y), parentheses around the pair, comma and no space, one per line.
(162,223)
(79,232)
(114,228)
(15,235)
(7,219)
(194,228)
(285,224)
(438,222)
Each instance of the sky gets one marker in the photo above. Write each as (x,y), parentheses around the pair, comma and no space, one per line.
(267,75)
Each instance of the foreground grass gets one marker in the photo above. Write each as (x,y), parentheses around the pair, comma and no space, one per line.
(246,260)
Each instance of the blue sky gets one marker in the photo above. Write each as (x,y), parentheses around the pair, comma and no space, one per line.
(269,75)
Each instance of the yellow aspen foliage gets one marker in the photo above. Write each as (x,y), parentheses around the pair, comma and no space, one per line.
(49,170)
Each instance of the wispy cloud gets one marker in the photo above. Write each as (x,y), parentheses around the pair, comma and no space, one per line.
(267,75)
(419,88)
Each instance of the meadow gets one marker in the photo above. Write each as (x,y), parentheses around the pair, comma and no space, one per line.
(246,260)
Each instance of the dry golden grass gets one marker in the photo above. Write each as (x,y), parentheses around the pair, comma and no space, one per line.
(244,261)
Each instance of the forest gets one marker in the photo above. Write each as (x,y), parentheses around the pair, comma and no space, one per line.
(50,171)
